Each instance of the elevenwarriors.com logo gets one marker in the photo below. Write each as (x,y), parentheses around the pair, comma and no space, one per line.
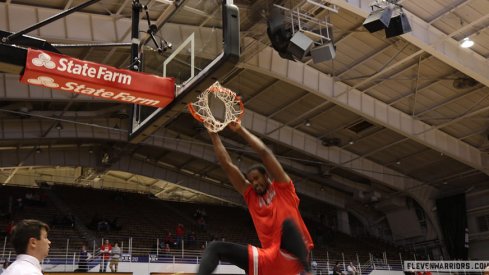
(446,266)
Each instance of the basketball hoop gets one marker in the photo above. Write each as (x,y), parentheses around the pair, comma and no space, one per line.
(201,111)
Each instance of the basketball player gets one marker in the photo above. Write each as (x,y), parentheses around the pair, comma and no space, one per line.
(273,205)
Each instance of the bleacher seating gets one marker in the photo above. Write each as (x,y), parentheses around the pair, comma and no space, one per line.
(147,219)
(39,207)
(141,220)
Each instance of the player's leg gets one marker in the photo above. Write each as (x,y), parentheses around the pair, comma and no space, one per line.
(293,243)
(235,254)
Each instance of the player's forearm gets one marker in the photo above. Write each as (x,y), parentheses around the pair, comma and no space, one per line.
(254,142)
(221,152)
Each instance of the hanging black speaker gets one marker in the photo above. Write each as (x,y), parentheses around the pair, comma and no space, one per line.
(378,20)
(399,24)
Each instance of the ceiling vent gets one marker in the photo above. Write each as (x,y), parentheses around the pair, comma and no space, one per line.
(464,83)
(359,127)
(330,142)
(122,113)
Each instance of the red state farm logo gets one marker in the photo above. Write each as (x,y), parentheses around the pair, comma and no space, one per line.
(43,60)
(44,81)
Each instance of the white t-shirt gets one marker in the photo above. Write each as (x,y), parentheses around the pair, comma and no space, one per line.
(351,269)
(24,265)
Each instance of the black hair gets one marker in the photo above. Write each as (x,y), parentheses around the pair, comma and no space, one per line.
(23,231)
(259,167)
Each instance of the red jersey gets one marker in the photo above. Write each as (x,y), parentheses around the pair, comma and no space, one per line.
(269,211)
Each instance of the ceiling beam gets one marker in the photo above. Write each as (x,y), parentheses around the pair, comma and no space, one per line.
(96,28)
(79,157)
(448,9)
(398,73)
(446,102)
(270,63)
(359,62)
(422,88)
(285,106)
(428,38)
(257,94)
(163,139)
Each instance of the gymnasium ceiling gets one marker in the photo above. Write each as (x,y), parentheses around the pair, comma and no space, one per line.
(386,118)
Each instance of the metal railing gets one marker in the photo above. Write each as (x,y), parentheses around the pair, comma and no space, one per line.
(68,257)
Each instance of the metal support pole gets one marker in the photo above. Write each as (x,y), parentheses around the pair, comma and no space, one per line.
(400,258)
(136,63)
(359,265)
(93,252)
(343,257)
(66,255)
(327,261)
(4,247)
(183,248)
(46,21)
(157,246)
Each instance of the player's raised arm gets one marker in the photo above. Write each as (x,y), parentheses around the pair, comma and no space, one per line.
(234,174)
(274,167)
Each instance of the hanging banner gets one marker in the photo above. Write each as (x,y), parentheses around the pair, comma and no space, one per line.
(73,75)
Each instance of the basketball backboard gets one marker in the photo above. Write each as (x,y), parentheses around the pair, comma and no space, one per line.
(204,38)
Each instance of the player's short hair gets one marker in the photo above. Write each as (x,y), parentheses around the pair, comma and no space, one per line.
(23,231)
(259,167)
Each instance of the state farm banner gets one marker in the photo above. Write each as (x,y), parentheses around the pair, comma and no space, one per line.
(73,75)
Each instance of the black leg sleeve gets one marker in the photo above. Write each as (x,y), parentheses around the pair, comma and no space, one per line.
(293,243)
(235,254)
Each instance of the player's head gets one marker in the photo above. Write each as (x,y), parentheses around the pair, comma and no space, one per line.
(258,177)
(31,237)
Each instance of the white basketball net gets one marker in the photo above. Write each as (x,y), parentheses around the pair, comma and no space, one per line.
(232,103)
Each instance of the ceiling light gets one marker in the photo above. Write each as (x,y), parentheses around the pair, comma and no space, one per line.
(38,150)
(466,43)
(59,126)
(307,123)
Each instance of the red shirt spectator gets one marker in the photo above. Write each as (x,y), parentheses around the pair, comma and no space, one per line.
(106,249)
(9,228)
(180,231)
